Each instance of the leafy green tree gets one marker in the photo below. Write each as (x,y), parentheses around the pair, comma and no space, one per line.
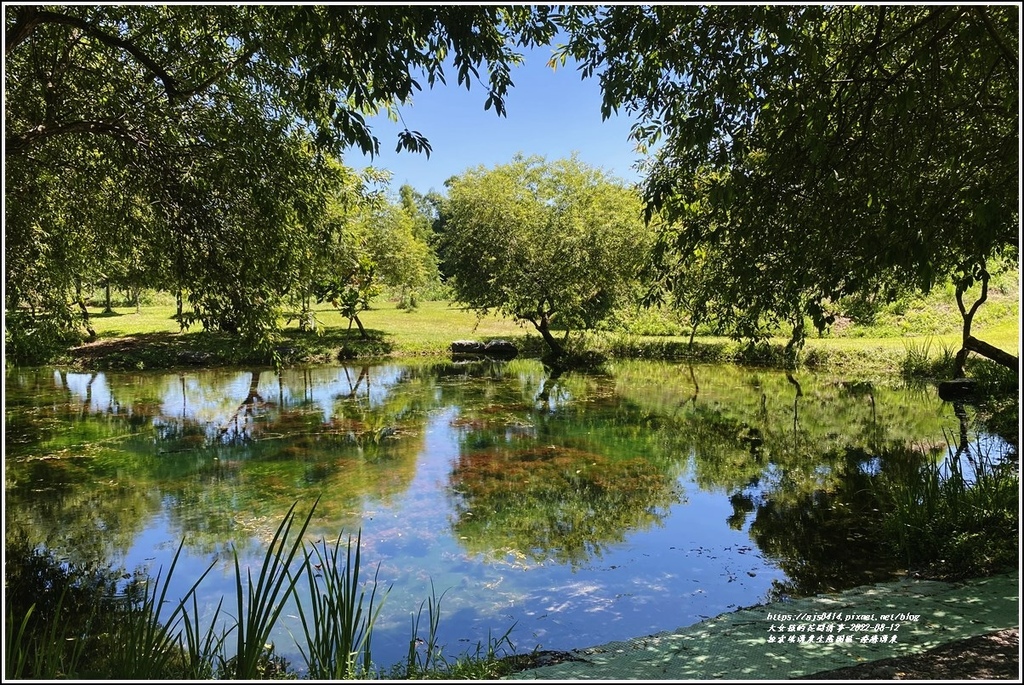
(816,152)
(328,247)
(424,211)
(404,261)
(549,243)
(221,119)
(366,245)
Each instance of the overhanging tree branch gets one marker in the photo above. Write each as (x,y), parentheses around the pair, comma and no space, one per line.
(168,81)
(20,143)
(27,22)
(23,27)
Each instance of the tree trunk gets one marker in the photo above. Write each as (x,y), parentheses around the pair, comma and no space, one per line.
(85,313)
(545,332)
(107,309)
(991,352)
(970,343)
(362,331)
(968,317)
(307,319)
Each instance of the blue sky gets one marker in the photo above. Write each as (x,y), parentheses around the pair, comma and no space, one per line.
(548,112)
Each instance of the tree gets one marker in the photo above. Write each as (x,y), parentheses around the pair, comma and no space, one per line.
(328,247)
(551,244)
(816,152)
(423,211)
(222,119)
(403,258)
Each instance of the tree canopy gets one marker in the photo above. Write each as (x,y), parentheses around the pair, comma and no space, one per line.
(549,243)
(814,152)
(106,70)
(206,136)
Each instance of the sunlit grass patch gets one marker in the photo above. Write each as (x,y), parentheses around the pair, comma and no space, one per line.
(151,338)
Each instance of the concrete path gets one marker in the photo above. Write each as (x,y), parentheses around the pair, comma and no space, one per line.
(784,640)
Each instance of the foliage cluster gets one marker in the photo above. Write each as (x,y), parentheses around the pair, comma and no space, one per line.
(802,160)
(806,154)
(197,150)
(914,313)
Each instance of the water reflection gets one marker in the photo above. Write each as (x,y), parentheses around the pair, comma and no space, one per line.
(651,494)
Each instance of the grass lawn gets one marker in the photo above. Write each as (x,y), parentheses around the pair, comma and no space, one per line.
(430,322)
(150,338)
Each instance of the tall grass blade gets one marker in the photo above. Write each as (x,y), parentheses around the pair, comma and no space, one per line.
(432,659)
(16,646)
(201,651)
(338,627)
(259,606)
(147,647)
(55,654)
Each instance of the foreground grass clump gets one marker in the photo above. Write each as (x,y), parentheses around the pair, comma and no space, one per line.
(74,623)
(961,518)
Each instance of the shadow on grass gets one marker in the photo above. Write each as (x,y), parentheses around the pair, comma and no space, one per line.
(159,350)
(332,344)
(164,350)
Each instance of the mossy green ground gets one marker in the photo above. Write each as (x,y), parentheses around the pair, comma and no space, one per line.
(739,646)
(150,338)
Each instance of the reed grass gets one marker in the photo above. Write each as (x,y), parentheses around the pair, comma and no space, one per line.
(259,606)
(54,654)
(138,642)
(145,646)
(919,361)
(486,662)
(338,626)
(953,524)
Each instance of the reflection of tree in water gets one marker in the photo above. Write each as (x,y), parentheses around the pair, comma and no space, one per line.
(65,506)
(829,539)
(548,502)
(799,458)
(220,470)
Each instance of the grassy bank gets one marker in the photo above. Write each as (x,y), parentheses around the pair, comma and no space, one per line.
(150,339)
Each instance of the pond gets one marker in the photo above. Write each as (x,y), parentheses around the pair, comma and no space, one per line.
(573,509)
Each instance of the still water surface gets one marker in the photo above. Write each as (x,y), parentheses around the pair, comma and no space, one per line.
(579,509)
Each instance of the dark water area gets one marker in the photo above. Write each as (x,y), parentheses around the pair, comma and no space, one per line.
(575,509)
